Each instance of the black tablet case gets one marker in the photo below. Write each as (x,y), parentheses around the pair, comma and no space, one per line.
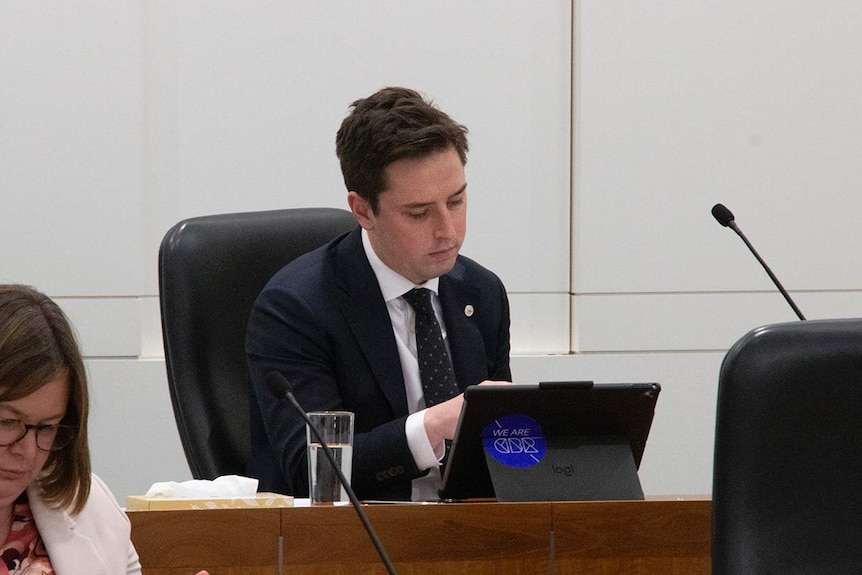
(593,436)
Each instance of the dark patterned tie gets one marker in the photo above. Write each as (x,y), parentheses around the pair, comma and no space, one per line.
(435,366)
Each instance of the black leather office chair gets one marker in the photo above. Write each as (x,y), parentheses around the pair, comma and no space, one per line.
(211,269)
(787,485)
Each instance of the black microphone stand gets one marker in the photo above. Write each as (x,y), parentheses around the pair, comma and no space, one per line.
(732,225)
(726,219)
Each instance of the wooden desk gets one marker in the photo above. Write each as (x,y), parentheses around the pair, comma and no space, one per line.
(664,537)
(661,536)
(225,541)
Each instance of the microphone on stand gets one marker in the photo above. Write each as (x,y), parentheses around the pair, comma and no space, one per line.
(726,219)
(281,388)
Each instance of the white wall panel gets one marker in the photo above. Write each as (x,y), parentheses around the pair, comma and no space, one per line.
(690,322)
(681,105)
(106,327)
(540,323)
(71,140)
(133,437)
(151,328)
(244,101)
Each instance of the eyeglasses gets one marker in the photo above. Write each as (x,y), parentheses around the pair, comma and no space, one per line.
(53,437)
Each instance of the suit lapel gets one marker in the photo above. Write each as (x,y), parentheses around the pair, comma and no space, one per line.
(69,550)
(460,302)
(362,306)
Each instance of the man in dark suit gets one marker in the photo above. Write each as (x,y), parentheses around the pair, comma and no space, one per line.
(336,324)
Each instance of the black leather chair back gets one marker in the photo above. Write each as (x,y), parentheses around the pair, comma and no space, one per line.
(211,270)
(787,485)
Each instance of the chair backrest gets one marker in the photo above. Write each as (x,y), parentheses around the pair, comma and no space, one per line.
(211,270)
(787,484)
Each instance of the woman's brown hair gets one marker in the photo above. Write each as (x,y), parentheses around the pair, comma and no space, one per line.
(38,345)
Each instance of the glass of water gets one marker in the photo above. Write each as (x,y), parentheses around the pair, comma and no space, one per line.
(336,429)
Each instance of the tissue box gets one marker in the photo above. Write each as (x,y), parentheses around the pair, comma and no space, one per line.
(262,500)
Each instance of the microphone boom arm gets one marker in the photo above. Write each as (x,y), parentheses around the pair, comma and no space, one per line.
(732,225)
(346,484)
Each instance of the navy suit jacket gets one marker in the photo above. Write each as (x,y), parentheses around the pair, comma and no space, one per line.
(322,322)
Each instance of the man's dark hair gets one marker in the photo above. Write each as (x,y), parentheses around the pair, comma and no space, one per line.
(392,124)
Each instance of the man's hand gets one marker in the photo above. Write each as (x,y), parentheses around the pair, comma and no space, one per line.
(442,419)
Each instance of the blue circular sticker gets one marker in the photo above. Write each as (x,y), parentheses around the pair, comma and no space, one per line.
(515,441)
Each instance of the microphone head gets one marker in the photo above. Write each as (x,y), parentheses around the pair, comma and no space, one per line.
(722,214)
(278,384)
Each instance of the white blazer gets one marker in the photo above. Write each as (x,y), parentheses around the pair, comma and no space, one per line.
(96,541)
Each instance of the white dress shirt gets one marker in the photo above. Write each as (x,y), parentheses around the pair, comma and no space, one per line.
(393,285)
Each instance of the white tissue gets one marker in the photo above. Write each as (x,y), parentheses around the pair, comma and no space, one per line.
(224,486)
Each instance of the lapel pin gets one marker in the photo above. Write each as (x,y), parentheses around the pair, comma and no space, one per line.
(468,311)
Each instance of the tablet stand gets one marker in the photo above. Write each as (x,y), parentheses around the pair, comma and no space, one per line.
(578,468)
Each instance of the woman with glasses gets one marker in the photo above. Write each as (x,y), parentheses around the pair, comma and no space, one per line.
(55,517)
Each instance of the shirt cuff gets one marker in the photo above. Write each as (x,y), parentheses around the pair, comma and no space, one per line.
(424,454)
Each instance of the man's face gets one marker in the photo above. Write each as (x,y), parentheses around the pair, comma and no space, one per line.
(421,217)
